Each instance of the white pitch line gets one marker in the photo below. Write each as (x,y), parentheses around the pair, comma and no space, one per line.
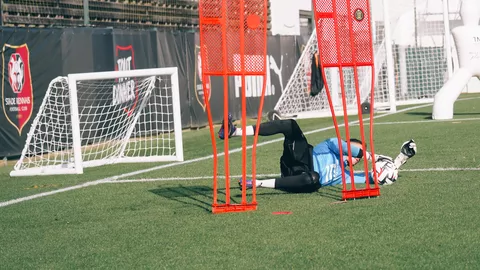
(156,168)
(48,193)
(423,121)
(186,178)
(441,169)
(143,180)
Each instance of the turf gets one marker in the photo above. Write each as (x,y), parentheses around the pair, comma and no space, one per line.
(427,220)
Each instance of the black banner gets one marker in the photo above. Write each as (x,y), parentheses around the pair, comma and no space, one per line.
(282,56)
(34,57)
(80,40)
(198,97)
(31,59)
(173,52)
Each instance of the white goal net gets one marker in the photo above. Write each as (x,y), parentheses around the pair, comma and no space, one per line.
(413,60)
(100,118)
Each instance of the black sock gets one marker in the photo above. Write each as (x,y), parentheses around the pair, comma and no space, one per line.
(287,127)
(305,182)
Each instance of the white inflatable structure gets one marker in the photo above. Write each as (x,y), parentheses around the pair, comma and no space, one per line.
(467,41)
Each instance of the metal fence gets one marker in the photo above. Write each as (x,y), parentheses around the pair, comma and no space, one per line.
(174,14)
(166,14)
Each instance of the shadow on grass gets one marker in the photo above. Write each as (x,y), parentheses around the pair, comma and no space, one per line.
(428,115)
(200,196)
(330,192)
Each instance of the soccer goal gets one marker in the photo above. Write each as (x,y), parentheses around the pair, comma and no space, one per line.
(412,54)
(100,118)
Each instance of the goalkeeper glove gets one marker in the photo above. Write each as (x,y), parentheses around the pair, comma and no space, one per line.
(408,150)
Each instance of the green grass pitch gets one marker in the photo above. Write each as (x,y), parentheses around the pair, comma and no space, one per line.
(427,220)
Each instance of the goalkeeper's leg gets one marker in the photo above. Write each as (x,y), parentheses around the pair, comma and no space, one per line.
(304,182)
(288,127)
(296,162)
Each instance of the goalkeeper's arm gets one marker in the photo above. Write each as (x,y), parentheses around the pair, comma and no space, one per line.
(407,150)
(376,158)
(332,144)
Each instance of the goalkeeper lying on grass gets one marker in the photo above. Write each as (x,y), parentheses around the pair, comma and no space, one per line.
(305,168)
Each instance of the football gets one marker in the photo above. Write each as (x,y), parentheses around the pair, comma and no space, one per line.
(387,173)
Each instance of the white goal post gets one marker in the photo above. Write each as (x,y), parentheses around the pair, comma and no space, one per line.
(413,60)
(99,118)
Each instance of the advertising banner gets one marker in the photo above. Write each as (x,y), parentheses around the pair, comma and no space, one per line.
(32,58)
